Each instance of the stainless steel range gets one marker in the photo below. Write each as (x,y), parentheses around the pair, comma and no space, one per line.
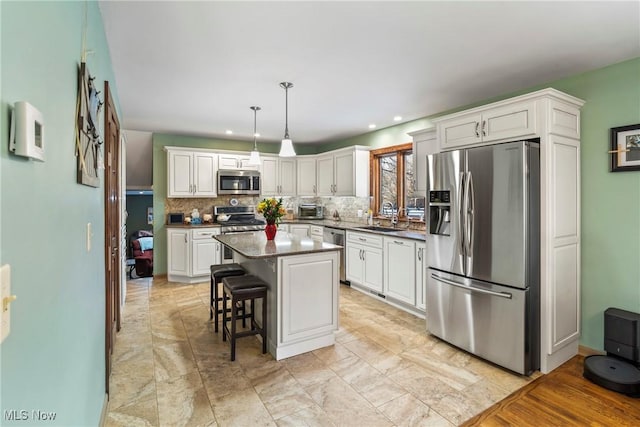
(239,219)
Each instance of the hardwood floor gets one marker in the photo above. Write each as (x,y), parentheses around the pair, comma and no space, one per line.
(562,398)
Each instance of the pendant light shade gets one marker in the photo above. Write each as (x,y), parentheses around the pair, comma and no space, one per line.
(254,159)
(286,149)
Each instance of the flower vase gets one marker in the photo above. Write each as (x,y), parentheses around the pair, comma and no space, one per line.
(270,230)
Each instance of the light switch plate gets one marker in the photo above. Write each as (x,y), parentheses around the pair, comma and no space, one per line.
(5,292)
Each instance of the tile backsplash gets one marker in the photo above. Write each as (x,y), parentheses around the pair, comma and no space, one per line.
(347,207)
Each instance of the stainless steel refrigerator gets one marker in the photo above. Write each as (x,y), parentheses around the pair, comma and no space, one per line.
(483,252)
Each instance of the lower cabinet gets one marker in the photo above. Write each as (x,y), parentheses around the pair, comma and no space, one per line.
(400,271)
(300,230)
(364,260)
(392,267)
(421,276)
(191,252)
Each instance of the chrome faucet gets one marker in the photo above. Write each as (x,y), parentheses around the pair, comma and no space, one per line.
(394,213)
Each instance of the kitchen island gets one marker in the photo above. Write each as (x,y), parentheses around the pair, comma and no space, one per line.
(302,276)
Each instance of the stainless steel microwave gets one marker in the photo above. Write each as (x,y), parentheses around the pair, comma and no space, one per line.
(243,182)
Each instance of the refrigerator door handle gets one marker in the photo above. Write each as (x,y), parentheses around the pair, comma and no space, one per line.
(471,288)
(469,211)
(461,209)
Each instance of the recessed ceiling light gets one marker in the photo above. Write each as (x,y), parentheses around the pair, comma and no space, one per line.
(372,126)
(257,135)
(228,132)
(397,118)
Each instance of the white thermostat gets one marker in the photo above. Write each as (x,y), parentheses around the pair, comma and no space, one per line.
(27,131)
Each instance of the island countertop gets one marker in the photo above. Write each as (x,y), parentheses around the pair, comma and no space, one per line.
(256,245)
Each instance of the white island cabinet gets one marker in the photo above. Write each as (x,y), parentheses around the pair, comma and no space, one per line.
(302,297)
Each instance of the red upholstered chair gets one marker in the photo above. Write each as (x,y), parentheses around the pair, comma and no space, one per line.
(143,256)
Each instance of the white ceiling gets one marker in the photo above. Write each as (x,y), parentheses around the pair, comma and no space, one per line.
(196,67)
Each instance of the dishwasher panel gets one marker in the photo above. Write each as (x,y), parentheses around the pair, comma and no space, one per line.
(336,236)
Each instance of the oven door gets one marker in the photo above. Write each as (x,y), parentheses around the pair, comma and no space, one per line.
(227,253)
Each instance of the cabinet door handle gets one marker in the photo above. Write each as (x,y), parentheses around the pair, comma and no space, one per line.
(363,255)
(477,133)
(484,132)
(362,239)
(398,242)
(314,188)
(185,238)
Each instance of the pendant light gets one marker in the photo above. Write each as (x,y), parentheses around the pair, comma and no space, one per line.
(254,159)
(286,149)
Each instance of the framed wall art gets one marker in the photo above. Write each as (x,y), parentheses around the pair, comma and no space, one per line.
(88,139)
(625,148)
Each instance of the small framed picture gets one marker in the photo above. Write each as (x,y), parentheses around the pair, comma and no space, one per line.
(625,148)
(150,215)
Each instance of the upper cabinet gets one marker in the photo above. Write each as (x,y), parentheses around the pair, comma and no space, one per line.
(191,173)
(482,125)
(235,161)
(424,143)
(343,172)
(278,176)
(306,171)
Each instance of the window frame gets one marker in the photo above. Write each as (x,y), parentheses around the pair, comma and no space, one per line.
(374,167)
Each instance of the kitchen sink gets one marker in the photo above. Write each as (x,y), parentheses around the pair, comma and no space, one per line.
(380,229)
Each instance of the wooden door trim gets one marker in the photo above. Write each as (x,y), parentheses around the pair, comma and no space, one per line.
(111,215)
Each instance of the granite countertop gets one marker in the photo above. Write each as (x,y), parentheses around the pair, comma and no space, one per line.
(256,245)
(343,225)
(355,226)
(206,225)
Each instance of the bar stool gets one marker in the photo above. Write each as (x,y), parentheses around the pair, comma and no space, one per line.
(218,272)
(240,289)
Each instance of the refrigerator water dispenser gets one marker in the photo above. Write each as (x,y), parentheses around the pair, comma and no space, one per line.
(439,212)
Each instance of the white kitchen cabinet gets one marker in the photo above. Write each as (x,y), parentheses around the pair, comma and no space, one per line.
(424,143)
(421,276)
(191,252)
(306,176)
(400,269)
(283,227)
(343,172)
(178,252)
(205,251)
(504,121)
(553,117)
(278,176)
(191,173)
(300,230)
(307,302)
(364,263)
(230,161)
(316,232)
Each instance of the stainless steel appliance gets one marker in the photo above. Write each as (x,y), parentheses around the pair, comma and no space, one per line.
(483,252)
(241,182)
(239,219)
(310,211)
(336,236)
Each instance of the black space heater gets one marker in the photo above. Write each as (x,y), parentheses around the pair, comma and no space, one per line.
(619,370)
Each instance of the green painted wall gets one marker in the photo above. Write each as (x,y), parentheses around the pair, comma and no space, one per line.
(54,358)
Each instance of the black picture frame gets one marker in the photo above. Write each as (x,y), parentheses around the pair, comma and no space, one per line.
(625,148)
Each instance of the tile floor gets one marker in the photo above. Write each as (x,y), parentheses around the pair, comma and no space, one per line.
(171,369)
